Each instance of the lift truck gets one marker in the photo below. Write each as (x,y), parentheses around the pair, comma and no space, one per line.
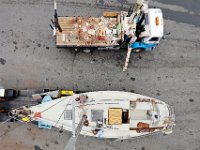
(138,29)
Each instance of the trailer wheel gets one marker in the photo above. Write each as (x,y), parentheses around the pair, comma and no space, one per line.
(86,50)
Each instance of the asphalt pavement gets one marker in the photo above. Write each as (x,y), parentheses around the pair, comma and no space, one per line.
(29,59)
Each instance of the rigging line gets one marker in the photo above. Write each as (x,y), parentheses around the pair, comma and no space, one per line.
(73,62)
(48,108)
(6,132)
(15,127)
(52,106)
(75,8)
(63,112)
(59,117)
(12,117)
(74,58)
(7,120)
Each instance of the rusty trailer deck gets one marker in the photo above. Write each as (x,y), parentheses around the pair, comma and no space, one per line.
(88,31)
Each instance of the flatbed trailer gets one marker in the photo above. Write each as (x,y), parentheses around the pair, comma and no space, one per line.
(89,31)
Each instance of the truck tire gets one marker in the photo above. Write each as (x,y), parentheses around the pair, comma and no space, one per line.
(138,50)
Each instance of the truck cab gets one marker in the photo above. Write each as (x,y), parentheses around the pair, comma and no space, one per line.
(149,30)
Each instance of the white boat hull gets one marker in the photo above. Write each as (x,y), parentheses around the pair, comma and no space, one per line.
(110,114)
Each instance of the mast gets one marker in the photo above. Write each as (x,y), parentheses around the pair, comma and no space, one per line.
(75,130)
(73,118)
(72,142)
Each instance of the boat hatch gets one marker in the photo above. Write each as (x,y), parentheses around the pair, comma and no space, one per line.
(125,116)
(115,116)
(97,115)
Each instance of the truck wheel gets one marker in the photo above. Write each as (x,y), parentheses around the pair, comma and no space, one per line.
(139,50)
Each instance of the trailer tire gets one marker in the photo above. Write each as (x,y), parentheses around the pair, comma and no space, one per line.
(87,50)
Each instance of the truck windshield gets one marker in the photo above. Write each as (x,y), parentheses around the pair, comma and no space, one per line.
(146,19)
(154,39)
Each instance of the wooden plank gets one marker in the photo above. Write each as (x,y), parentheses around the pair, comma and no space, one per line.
(110,14)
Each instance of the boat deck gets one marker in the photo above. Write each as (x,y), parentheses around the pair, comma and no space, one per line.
(87,31)
(129,115)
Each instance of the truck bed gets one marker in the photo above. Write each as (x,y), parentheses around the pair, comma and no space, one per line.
(88,31)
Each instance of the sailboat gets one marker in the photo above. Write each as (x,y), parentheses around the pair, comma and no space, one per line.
(103,114)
